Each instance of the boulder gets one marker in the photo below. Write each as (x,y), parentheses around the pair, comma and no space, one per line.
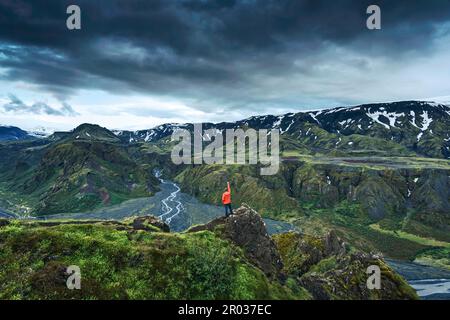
(247,229)
(148,223)
(333,244)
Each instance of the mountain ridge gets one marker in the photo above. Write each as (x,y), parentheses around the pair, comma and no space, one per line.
(379,120)
(418,125)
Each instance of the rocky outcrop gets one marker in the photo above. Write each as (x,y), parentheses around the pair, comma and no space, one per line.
(300,252)
(333,244)
(325,266)
(132,224)
(329,271)
(247,229)
(149,223)
(345,278)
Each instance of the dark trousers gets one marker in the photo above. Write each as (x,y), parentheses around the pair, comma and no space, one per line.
(228,209)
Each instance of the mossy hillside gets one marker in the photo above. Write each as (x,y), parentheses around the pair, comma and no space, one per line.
(90,132)
(79,175)
(432,199)
(353,226)
(437,257)
(80,170)
(309,138)
(347,198)
(351,284)
(396,244)
(266,193)
(397,197)
(154,156)
(405,235)
(434,142)
(415,227)
(289,248)
(117,263)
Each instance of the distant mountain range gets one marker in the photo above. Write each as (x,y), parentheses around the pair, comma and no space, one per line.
(72,171)
(10,133)
(408,127)
(361,119)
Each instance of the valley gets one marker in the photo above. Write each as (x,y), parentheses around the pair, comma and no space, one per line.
(179,210)
(376,175)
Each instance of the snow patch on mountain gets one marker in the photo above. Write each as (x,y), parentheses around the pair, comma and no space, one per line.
(289,126)
(314,115)
(41,132)
(277,123)
(391,116)
(426,121)
(419,136)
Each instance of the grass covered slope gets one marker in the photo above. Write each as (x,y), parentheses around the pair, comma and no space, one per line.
(127,260)
(402,194)
(228,258)
(81,170)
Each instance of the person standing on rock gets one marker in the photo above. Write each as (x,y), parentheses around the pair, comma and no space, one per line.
(226,200)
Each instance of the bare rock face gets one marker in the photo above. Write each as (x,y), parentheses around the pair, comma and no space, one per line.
(247,229)
(333,244)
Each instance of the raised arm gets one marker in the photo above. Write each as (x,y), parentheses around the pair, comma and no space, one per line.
(229,189)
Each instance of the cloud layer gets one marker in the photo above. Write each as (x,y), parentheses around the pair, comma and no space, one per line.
(17,106)
(262,56)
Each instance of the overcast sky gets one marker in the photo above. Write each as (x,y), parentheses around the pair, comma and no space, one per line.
(136,64)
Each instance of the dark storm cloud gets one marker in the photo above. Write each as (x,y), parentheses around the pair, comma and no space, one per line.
(16,105)
(211,52)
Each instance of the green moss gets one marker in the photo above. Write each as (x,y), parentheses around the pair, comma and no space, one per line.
(121,264)
(287,245)
(324,265)
(437,257)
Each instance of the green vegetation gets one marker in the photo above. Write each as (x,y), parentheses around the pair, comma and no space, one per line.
(138,258)
(84,170)
(329,270)
(403,196)
(437,257)
(117,262)
(381,189)
(267,194)
(411,237)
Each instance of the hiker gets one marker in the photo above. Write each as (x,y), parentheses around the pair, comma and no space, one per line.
(226,200)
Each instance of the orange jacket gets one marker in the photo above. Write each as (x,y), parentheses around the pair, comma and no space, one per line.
(226,196)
